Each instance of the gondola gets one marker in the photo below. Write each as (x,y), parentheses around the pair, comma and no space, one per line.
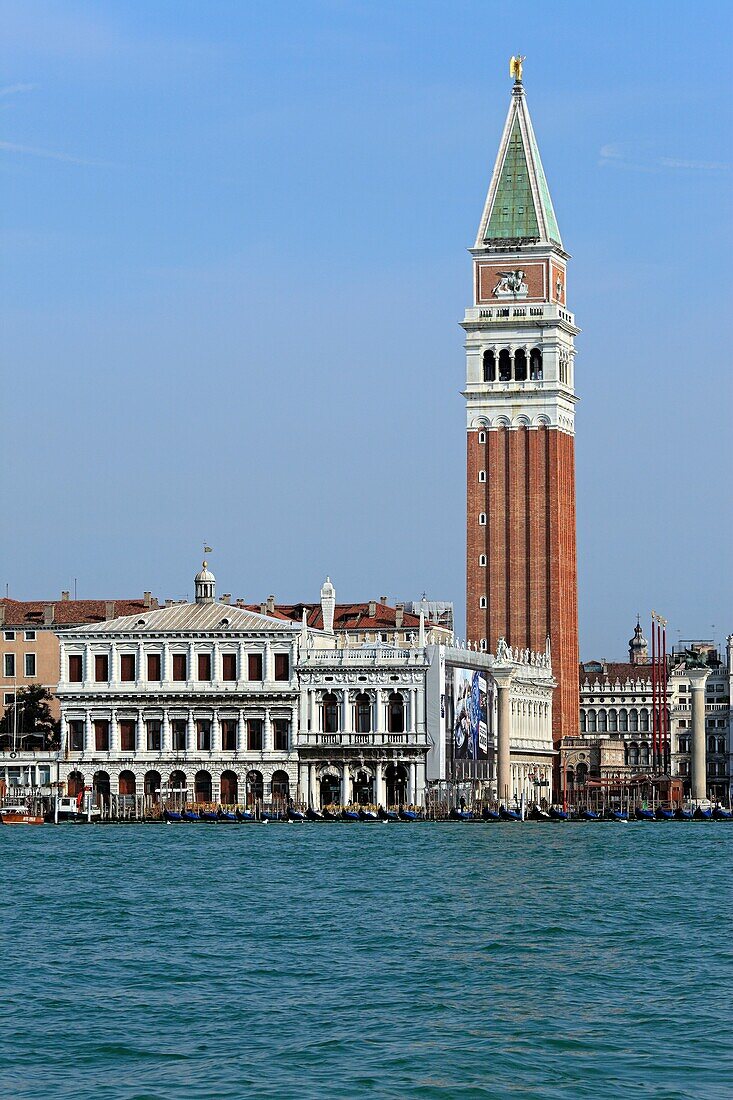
(509,815)
(588,815)
(328,815)
(209,815)
(719,814)
(663,815)
(683,815)
(702,815)
(245,815)
(460,815)
(172,815)
(536,814)
(295,815)
(225,815)
(314,815)
(408,815)
(349,815)
(618,815)
(273,815)
(367,815)
(189,815)
(489,815)
(644,815)
(558,815)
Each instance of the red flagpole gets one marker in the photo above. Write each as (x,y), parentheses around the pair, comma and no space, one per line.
(665,716)
(654,696)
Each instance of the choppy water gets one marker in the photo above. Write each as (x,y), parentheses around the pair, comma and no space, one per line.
(552,961)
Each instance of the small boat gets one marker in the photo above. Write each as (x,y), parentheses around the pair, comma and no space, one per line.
(328,815)
(408,815)
(509,815)
(719,814)
(349,815)
(19,815)
(558,815)
(273,815)
(683,815)
(172,815)
(644,815)
(588,815)
(208,815)
(367,815)
(295,815)
(245,815)
(224,815)
(663,815)
(314,815)
(490,815)
(702,815)
(460,815)
(189,815)
(618,815)
(536,814)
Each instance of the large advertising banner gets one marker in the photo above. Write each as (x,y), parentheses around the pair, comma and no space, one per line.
(473,710)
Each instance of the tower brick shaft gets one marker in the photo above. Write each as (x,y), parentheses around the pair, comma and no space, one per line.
(521,572)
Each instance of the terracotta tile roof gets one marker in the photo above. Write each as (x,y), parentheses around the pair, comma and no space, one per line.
(31,613)
(349,616)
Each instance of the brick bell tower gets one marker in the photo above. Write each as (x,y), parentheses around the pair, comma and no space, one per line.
(521,572)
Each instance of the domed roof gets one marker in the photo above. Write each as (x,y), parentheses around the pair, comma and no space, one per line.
(205,574)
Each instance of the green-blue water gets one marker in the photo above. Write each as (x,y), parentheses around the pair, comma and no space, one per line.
(553,961)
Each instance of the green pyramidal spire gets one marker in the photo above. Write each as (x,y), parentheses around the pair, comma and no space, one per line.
(518,206)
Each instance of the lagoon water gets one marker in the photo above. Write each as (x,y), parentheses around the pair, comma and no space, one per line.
(536,960)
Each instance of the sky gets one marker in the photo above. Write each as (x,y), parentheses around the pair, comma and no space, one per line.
(233,266)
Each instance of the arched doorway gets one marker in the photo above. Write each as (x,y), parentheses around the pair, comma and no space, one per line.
(100,786)
(280,786)
(126,784)
(75,784)
(228,788)
(152,784)
(177,788)
(330,790)
(363,787)
(396,713)
(396,780)
(255,787)
(202,787)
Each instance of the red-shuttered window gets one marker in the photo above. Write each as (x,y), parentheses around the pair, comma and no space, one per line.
(101,668)
(204,666)
(127,666)
(228,666)
(154,667)
(127,734)
(75,668)
(282,666)
(180,671)
(254,666)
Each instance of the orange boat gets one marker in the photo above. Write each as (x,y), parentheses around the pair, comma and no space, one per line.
(17,815)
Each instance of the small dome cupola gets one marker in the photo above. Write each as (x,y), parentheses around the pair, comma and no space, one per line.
(638,646)
(205,582)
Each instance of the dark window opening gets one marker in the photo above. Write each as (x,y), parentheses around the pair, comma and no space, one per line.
(178,734)
(76,735)
(254,734)
(154,667)
(180,671)
(229,666)
(127,735)
(154,740)
(363,713)
(505,366)
(282,666)
(101,668)
(489,367)
(204,666)
(520,365)
(75,668)
(229,734)
(254,666)
(127,667)
(396,713)
(281,733)
(101,736)
(330,713)
(203,734)
(535,364)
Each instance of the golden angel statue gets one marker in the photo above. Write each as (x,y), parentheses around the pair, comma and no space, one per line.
(515,67)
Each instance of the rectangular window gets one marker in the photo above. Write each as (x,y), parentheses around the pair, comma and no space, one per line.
(101,668)
(254,666)
(30,635)
(76,735)
(204,666)
(30,664)
(127,667)
(8,698)
(178,734)
(203,734)
(75,668)
(154,740)
(9,635)
(9,664)
(254,734)
(281,730)
(154,667)
(282,666)
(179,666)
(228,666)
(101,735)
(127,734)
(229,734)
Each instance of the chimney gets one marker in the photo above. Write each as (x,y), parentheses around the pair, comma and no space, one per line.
(372,608)
(169,603)
(49,614)
(240,602)
(270,605)
(109,609)
(148,599)
(64,596)
(328,605)
(383,600)
(226,597)
(399,615)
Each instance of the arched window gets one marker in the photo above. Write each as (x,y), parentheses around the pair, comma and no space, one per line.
(395,776)
(280,786)
(612,721)
(482,519)
(396,713)
(101,788)
(482,437)
(623,720)
(363,713)
(228,788)
(711,745)
(505,366)
(330,713)
(202,787)
(644,755)
(482,475)
(720,745)
(482,560)
(177,783)
(583,726)
(330,790)
(520,365)
(602,721)
(633,755)
(633,720)
(482,601)
(535,364)
(644,720)
(152,784)
(126,784)
(255,787)
(581,773)
(591,721)
(489,367)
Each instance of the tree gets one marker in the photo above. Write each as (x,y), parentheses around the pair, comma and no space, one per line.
(36,726)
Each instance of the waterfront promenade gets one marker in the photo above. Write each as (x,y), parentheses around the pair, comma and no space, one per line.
(365,962)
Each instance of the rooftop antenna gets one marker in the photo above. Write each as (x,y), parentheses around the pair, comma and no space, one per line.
(74,587)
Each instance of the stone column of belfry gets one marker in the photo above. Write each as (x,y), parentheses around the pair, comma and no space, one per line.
(521,581)
(698,770)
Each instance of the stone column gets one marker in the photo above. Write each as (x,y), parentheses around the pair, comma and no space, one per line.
(345,786)
(165,733)
(88,733)
(348,724)
(503,680)
(411,784)
(140,672)
(267,733)
(215,732)
(313,786)
(166,672)
(241,732)
(141,741)
(114,733)
(190,733)
(381,724)
(698,779)
(379,783)
(266,663)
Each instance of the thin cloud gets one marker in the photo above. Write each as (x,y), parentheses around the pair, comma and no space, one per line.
(16,89)
(619,156)
(50,154)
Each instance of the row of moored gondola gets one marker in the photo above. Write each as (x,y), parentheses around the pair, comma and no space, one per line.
(243,816)
(555,814)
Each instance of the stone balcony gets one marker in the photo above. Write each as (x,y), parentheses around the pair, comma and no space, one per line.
(361,740)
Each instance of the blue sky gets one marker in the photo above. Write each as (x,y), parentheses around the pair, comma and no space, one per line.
(233,265)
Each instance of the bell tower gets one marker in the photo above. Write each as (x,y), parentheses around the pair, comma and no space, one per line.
(521,575)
